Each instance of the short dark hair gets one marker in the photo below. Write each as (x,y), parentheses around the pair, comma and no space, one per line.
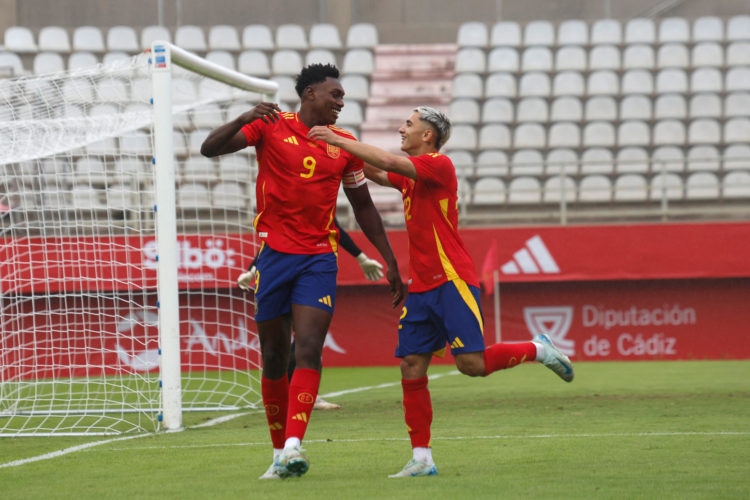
(314,73)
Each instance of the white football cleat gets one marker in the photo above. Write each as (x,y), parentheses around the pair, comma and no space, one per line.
(555,360)
(416,468)
(291,463)
(270,473)
(322,404)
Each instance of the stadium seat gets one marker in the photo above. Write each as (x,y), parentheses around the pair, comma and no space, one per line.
(668,133)
(291,36)
(470,60)
(106,146)
(631,187)
(500,85)
(113,57)
(703,158)
(704,131)
(356,86)
(737,79)
(47,62)
(112,90)
(633,133)
(12,64)
(635,107)
(668,158)
(234,169)
(707,54)
(564,135)
(19,39)
(503,59)
(198,168)
(602,82)
(638,57)
(708,29)
(673,55)
(488,191)
(737,104)
(78,60)
(604,57)
(121,197)
(497,110)
(254,62)
(209,115)
(223,58)
(88,38)
(87,197)
(601,108)
(54,39)
(526,162)
(136,143)
(195,139)
(491,163)
(362,36)
(606,31)
(637,81)
(472,34)
(325,36)
(184,90)
(534,84)
(257,37)
(150,34)
(738,54)
(532,109)
(595,188)
(223,37)
(463,161)
(505,34)
(670,106)
(570,58)
(193,195)
(529,135)
(90,170)
(737,157)
(78,91)
(738,28)
(674,29)
(632,160)
(229,195)
(736,185)
(352,114)
(666,185)
(573,32)
(464,111)
(555,189)
(568,83)
(179,145)
(640,30)
(286,62)
(598,134)
(539,33)
(524,190)
(561,159)
(702,186)
(493,136)
(671,80)
(358,61)
(536,59)
(597,161)
(468,85)
(463,137)
(190,37)
(706,80)
(122,38)
(736,130)
(566,109)
(705,106)
(320,56)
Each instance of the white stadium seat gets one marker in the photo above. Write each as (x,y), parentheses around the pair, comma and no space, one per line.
(737,104)
(532,109)
(564,135)
(505,33)
(599,134)
(529,135)
(631,187)
(223,37)
(737,130)
(223,58)
(566,109)
(470,60)
(737,157)
(493,136)
(705,106)
(570,57)
(606,31)
(736,185)
(463,111)
(54,39)
(472,34)
(637,81)
(561,160)
(601,108)
(488,191)
(491,162)
(674,29)
(198,168)
(359,61)
(640,30)
(193,195)
(12,64)
(122,38)
(526,162)
(673,55)
(737,79)
(534,84)
(325,36)
(708,29)
(501,85)
(632,160)
(254,63)
(554,189)
(633,133)
(536,59)
(498,110)
(503,59)
(706,80)
(669,132)
(704,131)
(638,57)
(357,87)
(568,83)
(666,185)
(286,62)
(523,190)
(702,186)
(597,161)
(463,137)
(670,106)
(229,195)
(47,62)
(738,28)
(78,60)
(88,38)
(539,33)
(635,107)
(703,158)
(604,57)
(257,37)
(190,37)
(573,32)
(149,34)
(291,36)
(468,85)
(671,80)
(707,54)
(603,83)
(362,35)
(19,39)
(738,54)
(668,158)
(595,188)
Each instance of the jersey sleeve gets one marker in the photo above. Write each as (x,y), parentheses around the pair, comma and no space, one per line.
(432,168)
(253,132)
(396,180)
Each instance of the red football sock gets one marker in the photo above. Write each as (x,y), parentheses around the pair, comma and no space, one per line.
(275,400)
(303,389)
(417,411)
(507,355)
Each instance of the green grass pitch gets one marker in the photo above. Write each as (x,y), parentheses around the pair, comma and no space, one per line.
(620,430)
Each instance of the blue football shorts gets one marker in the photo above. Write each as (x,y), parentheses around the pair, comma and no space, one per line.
(449,314)
(283,279)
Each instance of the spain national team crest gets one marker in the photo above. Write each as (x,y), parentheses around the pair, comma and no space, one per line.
(333,151)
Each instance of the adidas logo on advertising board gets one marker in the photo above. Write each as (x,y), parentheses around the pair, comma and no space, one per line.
(533,258)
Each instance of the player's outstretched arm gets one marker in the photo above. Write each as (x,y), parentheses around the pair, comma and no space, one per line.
(369,220)
(229,138)
(373,155)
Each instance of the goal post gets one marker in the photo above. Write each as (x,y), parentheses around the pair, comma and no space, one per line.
(120,246)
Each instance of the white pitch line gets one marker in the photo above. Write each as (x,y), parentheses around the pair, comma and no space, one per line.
(381,386)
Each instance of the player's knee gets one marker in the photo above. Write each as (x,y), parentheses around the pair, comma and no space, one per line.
(473,366)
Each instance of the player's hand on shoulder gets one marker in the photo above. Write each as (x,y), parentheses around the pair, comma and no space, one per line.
(266,111)
(323,133)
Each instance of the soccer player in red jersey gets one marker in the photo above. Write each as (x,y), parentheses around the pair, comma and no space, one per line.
(442,306)
(296,191)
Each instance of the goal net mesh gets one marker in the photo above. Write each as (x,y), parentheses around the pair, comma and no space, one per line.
(79,344)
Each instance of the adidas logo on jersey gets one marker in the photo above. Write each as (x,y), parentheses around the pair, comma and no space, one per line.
(302,417)
(291,140)
(533,258)
(325,300)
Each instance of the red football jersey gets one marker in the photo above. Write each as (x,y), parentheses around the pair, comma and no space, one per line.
(436,252)
(298,184)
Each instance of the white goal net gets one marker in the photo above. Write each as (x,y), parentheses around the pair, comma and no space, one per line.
(80,350)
